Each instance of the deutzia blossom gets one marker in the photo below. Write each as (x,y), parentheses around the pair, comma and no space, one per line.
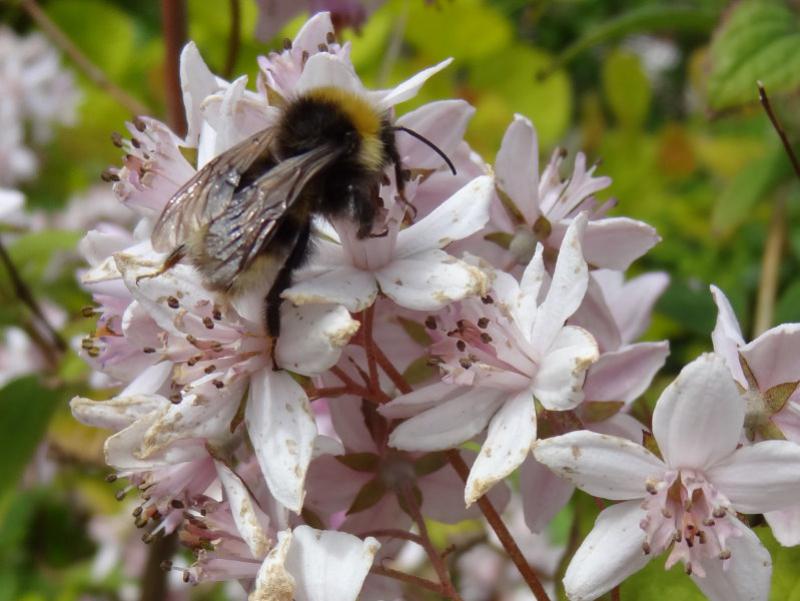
(685,503)
(498,355)
(538,207)
(767,371)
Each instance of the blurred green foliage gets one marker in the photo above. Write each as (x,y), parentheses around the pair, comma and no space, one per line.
(664,96)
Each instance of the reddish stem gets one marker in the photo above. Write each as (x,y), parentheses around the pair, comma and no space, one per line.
(615,594)
(173,17)
(491,515)
(369,346)
(386,365)
(393,533)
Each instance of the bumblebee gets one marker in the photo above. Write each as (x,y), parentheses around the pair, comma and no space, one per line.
(245,217)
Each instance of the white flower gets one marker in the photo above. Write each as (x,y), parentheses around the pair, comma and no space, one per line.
(685,503)
(499,354)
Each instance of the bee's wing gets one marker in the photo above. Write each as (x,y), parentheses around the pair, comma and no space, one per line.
(235,238)
(208,193)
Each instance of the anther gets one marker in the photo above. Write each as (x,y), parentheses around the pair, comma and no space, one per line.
(186,576)
(485,338)
(483,322)
(708,522)
(210,369)
(430,322)
(148,350)
(172,302)
(287,44)
(139,124)
(166,565)
(93,352)
(465,363)
(677,536)
(208,323)
(175,398)
(109,176)
(136,143)
(218,383)
(177,504)
(137,512)
(719,512)
(216,314)
(330,37)
(461,345)
(322,48)
(116,139)
(111,478)
(701,536)
(650,487)
(487,300)
(724,554)
(689,569)
(88,311)
(666,513)
(87,343)
(147,538)
(646,548)
(120,494)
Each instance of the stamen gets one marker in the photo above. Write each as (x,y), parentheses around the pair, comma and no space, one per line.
(483,323)
(172,302)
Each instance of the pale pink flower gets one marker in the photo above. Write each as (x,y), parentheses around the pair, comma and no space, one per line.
(498,354)
(766,371)
(685,503)
(538,206)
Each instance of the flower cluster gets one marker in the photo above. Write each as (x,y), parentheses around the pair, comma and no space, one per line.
(487,330)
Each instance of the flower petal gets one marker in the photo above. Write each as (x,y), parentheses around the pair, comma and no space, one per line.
(604,466)
(274,582)
(567,289)
(558,384)
(609,554)
(511,433)
(461,215)
(312,337)
(625,374)
(698,418)
(250,521)
(197,83)
(746,577)
(759,478)
(543,493)
(282,429)
(327,565)
(616,242)
(785,525)
(442,122)
(631,302)
(429,280)
(517,167)
(774,357)
(345,285)
(422,399)
(727,335)
(409,88)
(325,69)
(448,424)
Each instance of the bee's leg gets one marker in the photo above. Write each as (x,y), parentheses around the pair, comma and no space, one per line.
(178,253)
(283,281)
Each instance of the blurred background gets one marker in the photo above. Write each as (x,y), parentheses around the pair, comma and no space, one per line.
(661,94)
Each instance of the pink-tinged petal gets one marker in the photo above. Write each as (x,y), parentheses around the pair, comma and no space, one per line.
(727,335)
(313,336)
(604,466)
(621,425)
(774,357)
(543,493)
(785,525)
(313,33)
(348,422)
(422,399)
(282,429)
(526,307)
(449,424)
(631,302)
(558,384)
(758,478)
(567,289)
(616,242)
(746,575)
(250,521)
(625,374)
(609,554)
(443,123)
(517,167)
(197,83)
(332,486)
(443,497)
(325,69)
(117,413)
(699,417)
(123,449)
(595,315)
(345,285)
(327,565)
(430,280)
(461,215)
(511,433)
(409,88)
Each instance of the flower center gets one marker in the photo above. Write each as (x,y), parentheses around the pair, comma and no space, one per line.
(685,512)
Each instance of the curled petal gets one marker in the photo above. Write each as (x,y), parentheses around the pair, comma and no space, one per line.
(345,285)
(559,382)
(727,335)
(250,521)
(409,88)
(543,493)
(517,167)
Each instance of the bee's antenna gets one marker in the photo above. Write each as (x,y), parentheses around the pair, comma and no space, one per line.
(432,146)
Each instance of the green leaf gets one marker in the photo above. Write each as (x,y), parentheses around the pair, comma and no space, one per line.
(25,410)
(429,463)
(372,492)
(32,253)
(751,184)
(654,582)
(785,577)
(626,88)
(758,41)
